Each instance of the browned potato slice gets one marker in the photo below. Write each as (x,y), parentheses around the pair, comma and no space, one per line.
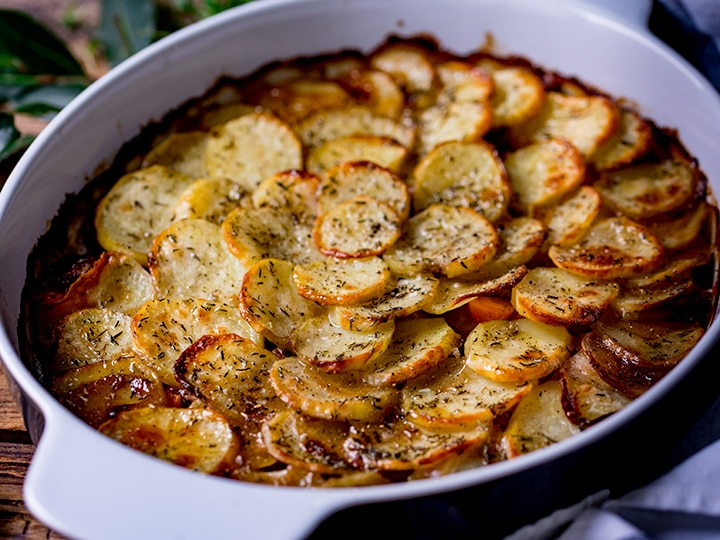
(342,281)
(195,438)
(253,234)
(630,141)
(402,445)
(585,121)
(211,199)
(538,421)
(402,297)
(544,172)
(328,124)
(92,335)
(252,147)
(570,220)
(518,94)
(463,174)
(191,259)
(588,397)
(137,208)
(517,350)
(182,151)
(383,151)
(359,227)
(97,391)
(339,396)
(309,443)
(163,329)
(408,65)
(520,240)
(447,239)
(293,191)
(463,82)
(296,99)
(335,349)
(378,90)
(355,178)
(271,303)
(458,396)
(615,247)
(679,231)
(555,296)
(646,190)
(220,113)
(631,302)
(417,346)
(456,121)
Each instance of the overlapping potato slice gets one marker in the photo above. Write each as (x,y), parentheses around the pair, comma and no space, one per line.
(92,335)
(543,172)
(190,259)
(292,190)
(297,98)
(357,178)
(377,90)
(342,281)
(183,151)
(457,121)
(538,421)
(402,296)
(418,345)
(631,140)
(587,397)
(359,227)
(211,199)
(521,238)
(585,121)
(336,349)
(97,391)
(338,396)
(631,302)
(271,303)
(518,93)
(517,350)
(646,190)
(615,247)
(570,220)
(137,208)
(678,231)
(463,174)
(196,438)
(163,329)
(382,151)
(409,66)
(555,296)
(463,82)
(252,147)
(328,124)
(447,239)
(457,396)
(253,234)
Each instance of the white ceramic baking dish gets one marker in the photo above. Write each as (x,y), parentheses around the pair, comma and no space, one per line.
(88,487)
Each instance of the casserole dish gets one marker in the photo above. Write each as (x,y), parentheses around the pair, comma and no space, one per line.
(84,485)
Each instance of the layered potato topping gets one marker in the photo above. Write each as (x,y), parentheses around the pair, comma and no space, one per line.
(362,269)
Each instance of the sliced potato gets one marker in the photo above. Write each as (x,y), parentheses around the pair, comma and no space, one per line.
(417,346)
(271,303)
(518,93)
(219,113)
(335,349)
(674,271)
(383,151)
(403,296)
(630,303)
(211,199)
(463,82)
(359,227)
(446,239)
(357,178)
(585,121)
(378,90)
(679,231)
(408,65)
(556,296)
(543,172)
(339,396)
(456,121)
(195,438)
(182,151)
(615,247)
(646,190)
(518,350)
(252,147)
(463,174)
(299,97)
(292,191)
(521,238)
(163,329)
(631,140)
(570,220)
(342,281)
(190,259)
(538,421)
(137,208)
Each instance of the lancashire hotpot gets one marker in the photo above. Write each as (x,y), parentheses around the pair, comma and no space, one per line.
(85,485)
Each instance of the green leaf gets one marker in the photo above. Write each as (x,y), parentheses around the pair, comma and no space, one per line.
(41,100)
(11,142)
(37,49)
(126,26)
